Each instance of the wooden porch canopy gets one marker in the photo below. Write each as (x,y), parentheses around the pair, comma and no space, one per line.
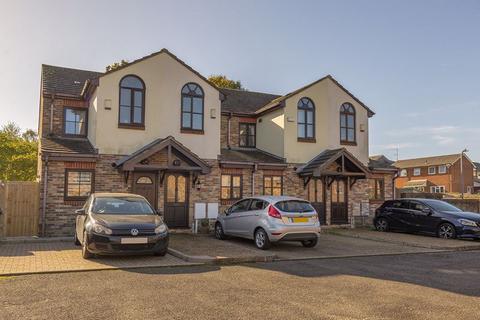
(138,161)
(334,164)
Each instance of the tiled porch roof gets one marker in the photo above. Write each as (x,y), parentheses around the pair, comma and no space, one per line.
(249,155)
(66,146)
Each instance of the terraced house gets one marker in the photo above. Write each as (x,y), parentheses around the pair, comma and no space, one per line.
(158,128)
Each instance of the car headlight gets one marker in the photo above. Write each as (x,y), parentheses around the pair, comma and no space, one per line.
(161,228)
(98,228)
(467,222)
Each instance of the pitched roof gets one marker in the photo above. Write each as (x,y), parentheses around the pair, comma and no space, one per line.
(245,102)
(322,158)
(66,146)
(155,146)
(164,50)
(476,165)
(380,162)
(277,101)
(427,161)
(65,81)
(249,155)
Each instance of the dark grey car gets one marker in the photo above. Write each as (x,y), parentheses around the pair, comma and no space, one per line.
(119,223)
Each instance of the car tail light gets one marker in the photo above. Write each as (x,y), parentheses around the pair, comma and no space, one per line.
(273,212)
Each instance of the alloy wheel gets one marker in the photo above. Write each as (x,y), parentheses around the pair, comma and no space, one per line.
(382,225)
(260,239)
(446,231)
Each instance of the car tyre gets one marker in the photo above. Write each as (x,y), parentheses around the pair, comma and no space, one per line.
(219,234)
(261,239)
(381,224)
(76,241)
(309,243)
(160,253)
(85,253)
(446,231)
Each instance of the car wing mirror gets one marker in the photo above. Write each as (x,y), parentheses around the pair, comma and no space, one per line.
(427,211)
(80,212)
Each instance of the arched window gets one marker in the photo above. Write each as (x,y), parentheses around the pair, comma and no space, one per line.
(192,107)
(306,119)
(132,101)
(347,123)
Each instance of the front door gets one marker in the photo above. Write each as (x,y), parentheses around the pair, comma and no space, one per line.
(176,200)
(339,205)
(316,196)
(145,184)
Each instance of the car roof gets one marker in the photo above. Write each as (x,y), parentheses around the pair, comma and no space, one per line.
(274,198)
(115,194)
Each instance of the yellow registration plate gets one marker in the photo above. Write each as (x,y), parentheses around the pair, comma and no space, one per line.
(299,220)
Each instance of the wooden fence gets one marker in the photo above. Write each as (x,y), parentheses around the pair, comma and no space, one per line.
(19,203)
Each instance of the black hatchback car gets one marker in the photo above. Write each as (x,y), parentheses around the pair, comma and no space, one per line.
(427,216)
(119,223)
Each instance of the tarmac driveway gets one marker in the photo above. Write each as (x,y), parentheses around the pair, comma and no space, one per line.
(330,245)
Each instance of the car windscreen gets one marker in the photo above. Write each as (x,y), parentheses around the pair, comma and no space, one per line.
(121,205)
(442,206)
(294,206)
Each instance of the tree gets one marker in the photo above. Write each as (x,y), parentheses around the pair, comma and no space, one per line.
(116,65)
(222,81)
(18,153)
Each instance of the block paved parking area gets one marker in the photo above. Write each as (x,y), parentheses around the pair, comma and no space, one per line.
(24,258)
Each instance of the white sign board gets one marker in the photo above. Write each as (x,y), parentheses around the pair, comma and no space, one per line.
(212,210)
(200,211)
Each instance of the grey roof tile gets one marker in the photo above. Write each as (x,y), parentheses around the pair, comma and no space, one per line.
(245,102)
(66,81)
(66,145)
(249,155)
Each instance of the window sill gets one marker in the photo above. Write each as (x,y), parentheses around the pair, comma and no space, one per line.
(131,126)
(192,131)
(309,140)
(348,143)
(75,201)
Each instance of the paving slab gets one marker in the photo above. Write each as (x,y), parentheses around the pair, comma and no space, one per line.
(408,239)
(50,257)
(207,249)
(335,246)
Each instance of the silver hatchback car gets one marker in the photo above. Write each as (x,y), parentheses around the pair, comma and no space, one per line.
(268,219)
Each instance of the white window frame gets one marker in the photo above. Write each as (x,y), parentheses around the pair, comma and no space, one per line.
(437,189)
(417,173)
(403,173)
(442,171)
(434,171)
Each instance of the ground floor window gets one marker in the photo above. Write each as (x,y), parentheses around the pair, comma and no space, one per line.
(231,187)
(376,189)
(272,185)
(78,184)
(437,189)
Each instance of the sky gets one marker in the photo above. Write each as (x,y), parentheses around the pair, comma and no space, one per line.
(415,63)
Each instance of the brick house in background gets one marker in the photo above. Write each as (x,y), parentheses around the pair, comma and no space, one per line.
(158,128)
(476,177)
(438,174)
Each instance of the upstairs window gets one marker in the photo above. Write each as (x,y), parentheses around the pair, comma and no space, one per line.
(75,121)
(416,171)
(347,124)
(442,169)
(247,135)
(403,173)
(192,107)
(132,102)
(306,119)
(431,170)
